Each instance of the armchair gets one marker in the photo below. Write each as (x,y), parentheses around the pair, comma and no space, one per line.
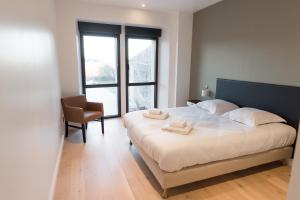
(77,109)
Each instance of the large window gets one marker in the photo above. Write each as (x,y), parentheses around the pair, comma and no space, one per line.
(101,65)
(141,67)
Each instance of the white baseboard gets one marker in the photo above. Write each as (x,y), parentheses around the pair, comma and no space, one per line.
(55,172)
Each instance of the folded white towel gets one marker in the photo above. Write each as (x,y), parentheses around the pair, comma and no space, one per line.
(162,116)
(154,111)
(184,131)
(178,124)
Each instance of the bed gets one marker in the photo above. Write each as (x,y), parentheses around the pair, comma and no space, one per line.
(217,145)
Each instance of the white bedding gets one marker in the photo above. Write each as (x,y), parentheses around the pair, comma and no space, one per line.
(213,138)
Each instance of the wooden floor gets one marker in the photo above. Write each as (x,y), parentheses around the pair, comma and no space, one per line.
(107,168)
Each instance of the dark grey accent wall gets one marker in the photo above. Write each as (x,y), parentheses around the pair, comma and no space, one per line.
(251,40)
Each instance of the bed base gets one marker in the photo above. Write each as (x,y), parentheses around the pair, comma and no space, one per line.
(164,194)
(204,171)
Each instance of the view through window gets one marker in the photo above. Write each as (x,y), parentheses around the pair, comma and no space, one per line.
(141,73)
(101,71)
(100,66)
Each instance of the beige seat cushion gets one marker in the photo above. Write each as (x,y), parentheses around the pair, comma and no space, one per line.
(91,115)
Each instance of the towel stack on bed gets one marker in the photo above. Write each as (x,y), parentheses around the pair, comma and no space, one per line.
(155,114)
(180,127)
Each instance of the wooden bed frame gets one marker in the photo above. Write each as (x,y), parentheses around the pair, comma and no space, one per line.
(278,99)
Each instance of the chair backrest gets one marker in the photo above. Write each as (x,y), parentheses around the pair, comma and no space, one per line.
(74,101)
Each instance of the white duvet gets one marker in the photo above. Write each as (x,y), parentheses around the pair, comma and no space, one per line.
(213,138)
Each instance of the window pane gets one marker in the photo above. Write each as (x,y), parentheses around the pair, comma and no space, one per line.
(141,53)
(141,97)
(108,96)
(100,55)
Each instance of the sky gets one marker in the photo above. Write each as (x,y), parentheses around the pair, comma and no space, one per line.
(104,48)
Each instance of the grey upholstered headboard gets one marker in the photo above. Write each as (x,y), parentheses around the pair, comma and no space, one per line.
(279,99)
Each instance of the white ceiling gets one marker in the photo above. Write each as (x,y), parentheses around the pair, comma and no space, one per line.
(160,5)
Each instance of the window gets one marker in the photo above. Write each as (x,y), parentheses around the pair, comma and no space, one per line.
(100,66)
(100,60)
(141,67)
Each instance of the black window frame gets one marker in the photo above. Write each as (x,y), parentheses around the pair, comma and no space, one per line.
(142,33)
(103,30)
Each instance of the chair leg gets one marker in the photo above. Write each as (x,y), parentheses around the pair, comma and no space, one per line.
(102,125)
(86,126)
(83,132)
(66,129)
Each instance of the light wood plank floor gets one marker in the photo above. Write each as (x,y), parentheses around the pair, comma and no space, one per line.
(107,168)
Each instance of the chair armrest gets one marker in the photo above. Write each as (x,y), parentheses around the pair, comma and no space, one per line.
(93,106)
(74,114)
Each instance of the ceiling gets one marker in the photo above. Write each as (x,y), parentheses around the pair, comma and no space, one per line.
(160,5)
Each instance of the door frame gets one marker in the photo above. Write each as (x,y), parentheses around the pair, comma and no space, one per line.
(118,84)
(154,83)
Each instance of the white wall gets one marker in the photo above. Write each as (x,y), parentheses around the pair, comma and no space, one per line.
(294,189)
(69,12)
(30,99)
(184,51)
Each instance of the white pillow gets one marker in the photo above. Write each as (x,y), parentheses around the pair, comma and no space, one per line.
(253,117)
(217,106)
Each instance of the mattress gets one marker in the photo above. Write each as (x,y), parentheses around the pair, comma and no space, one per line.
(213,138)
